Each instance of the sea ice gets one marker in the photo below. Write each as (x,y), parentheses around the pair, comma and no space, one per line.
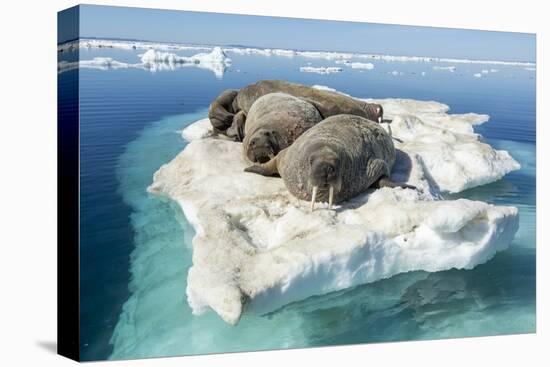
(477,75)
(154,60)
(326,55)
(258,248)
(356,65)
(362,65)
(320,69)
(215,61)
(447,68)
(102,63)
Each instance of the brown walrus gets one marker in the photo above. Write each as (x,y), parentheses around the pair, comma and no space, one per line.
(335,160)
(274,122)
(228,112)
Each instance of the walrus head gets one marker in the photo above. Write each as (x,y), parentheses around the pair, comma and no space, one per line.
(324,174)
(263,145)
(375,112)
(221,110)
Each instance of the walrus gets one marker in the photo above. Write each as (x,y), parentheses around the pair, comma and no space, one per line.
(228,112)
(274,122)
(335,160)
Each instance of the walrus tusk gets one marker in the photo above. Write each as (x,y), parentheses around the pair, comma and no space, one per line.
(330,197)
(380,120)
(313,195)
(389,130)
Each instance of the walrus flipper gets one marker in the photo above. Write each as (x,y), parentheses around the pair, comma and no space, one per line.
(387,182)
(377,168)
(265,169)
(236,130)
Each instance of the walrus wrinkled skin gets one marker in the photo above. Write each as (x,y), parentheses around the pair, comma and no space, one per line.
(228,112)
(274,122)
(337,159)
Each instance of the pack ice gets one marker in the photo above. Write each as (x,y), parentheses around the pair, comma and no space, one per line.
(258,248)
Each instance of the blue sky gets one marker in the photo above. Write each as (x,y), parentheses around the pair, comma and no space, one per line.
(275,32)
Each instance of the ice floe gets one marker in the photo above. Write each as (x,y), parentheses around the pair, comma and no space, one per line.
(477,75)
(362,65)
(356,65)
(320,69)
(447,68)
(102,63)
(258,248)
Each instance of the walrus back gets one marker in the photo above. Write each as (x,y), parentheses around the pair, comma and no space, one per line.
(328,103)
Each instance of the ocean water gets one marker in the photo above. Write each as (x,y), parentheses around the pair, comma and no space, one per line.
(136,248)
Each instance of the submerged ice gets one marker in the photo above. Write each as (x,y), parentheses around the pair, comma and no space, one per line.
(257,248)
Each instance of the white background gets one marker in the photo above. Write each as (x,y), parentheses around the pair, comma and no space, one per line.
(28,181)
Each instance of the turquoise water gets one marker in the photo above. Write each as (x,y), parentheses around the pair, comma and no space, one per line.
(136,248)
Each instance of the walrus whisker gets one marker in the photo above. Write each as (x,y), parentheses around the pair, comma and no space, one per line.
(330,197)
(313,195)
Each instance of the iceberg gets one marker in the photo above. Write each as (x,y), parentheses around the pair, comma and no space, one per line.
(154,60)
(320,69)
(215,61)
(257,248)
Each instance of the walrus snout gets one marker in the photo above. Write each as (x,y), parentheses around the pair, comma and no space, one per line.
(262,147)
(324,177)
(323,174)
(375,112)
(261,153)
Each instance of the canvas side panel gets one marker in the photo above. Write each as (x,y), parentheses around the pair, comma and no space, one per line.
(68,329)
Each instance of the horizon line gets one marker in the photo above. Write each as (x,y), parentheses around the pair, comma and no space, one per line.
(436,58)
